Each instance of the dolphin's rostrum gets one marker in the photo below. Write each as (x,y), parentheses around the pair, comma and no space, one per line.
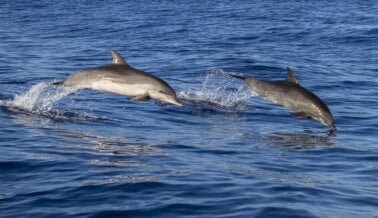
(118,77)
(290,94)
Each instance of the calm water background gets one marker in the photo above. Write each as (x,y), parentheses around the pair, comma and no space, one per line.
(227,152)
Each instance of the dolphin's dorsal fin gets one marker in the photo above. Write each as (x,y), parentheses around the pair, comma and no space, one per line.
(291,76)
(117,59)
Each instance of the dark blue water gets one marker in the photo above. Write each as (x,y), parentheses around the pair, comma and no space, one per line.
(227,152)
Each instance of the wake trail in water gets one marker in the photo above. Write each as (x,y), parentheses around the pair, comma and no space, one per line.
(40,100)
(218,91)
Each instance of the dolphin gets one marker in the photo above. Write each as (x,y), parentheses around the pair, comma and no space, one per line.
(290,94)
(120,78)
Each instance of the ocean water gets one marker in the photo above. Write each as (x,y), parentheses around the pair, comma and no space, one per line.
(227,152)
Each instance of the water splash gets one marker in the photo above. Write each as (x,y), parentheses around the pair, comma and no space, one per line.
(218,91)
(40,98)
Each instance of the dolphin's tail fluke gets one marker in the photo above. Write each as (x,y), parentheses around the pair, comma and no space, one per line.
(57,83)
(237,76)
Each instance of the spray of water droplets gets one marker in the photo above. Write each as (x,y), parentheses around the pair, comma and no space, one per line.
(218,91)
(40,98)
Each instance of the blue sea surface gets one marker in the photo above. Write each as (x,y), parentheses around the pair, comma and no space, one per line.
(227,152)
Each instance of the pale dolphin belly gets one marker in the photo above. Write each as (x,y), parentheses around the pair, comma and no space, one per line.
(105,81)
(122,89)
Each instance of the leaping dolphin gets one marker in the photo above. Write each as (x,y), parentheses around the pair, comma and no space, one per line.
(120,78)
(290,94)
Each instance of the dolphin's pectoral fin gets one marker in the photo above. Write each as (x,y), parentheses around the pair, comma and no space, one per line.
(57,83)
(301,115)
(143,97)
(165,93)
